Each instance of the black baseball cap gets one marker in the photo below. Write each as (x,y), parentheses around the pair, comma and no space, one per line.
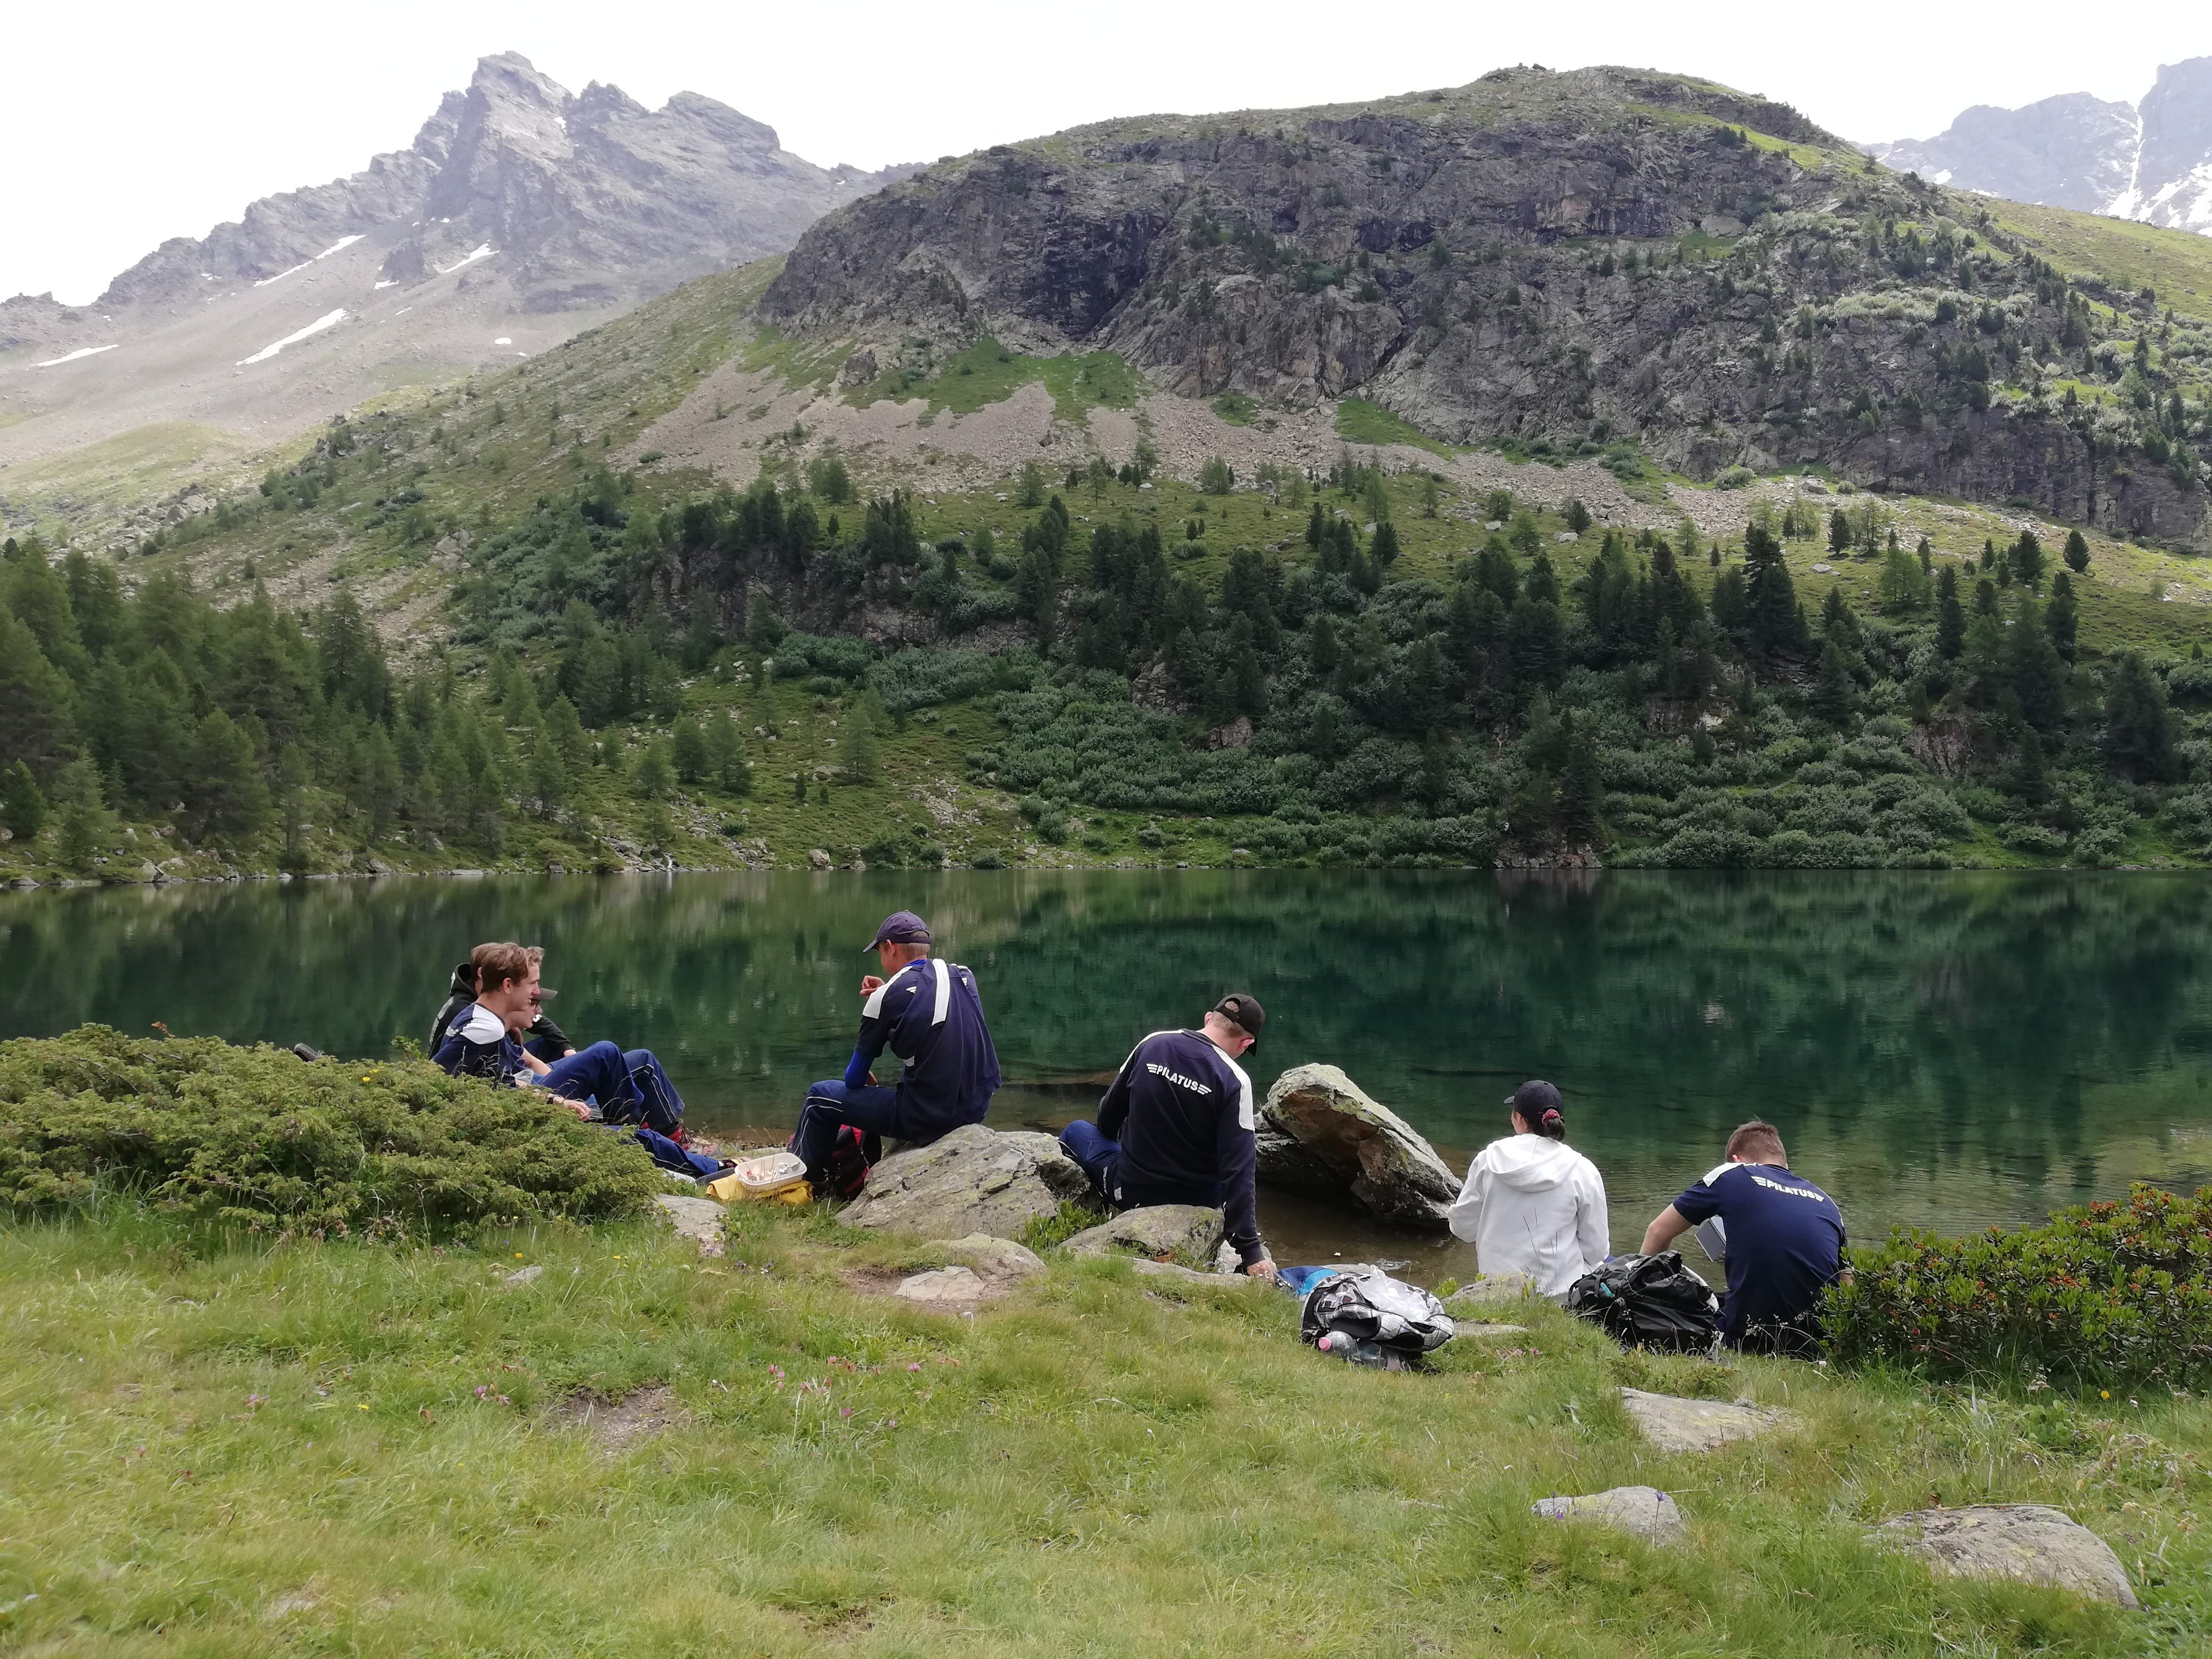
(900,927)
(1534,1098)
(1243,1010)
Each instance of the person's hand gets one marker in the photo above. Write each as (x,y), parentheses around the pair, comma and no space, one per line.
(873,1084)
(576,1106)
(870,985)
(1261,1269)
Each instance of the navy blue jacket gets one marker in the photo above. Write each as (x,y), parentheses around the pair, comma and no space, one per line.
(476,1044)
(930,1015)
(1181,1110)
(1781,1237)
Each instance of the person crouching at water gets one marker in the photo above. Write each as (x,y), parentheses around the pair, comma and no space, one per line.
(929,1014)
(1176,1126)
(1780,1236)
(632,1090)
(1532,1204)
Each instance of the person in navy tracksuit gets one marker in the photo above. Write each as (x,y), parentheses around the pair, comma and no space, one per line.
(1176,1126)
(928,1013)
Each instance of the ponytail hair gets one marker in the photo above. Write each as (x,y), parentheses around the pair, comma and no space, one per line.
(1550,1124)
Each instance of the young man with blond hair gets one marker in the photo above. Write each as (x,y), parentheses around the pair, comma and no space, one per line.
(1781,1237)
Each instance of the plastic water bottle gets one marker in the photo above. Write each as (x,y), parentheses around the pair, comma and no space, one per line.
(1349,1348)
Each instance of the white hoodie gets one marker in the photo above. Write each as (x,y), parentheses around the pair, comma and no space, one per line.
(1534,1206)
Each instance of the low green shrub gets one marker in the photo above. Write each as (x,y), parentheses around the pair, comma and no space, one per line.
(2103,1294)
(257,1138)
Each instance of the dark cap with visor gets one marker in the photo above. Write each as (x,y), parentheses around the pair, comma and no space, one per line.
(1243,1010)
(1533,1099)
(900,927)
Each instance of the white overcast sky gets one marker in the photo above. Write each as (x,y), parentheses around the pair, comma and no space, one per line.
(128,122)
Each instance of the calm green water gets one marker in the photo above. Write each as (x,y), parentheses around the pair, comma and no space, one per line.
(1945,1050)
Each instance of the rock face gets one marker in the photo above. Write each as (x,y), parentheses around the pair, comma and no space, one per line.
(1644,1511)
(974,1181)
(1319,1133)
(1696,1426)
(1178,1230)
(2151,162)
(588,197)
(2029,1542)
(1463,257)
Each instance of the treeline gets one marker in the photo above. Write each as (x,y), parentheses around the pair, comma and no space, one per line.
(226,728)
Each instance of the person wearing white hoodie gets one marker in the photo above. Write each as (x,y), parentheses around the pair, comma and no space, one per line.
(1532,1204)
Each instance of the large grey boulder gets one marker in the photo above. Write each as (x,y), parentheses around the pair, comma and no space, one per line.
(1697,1426)
(1321,1133)
(1182,1231)
(974,1181)
(1646,1512)
(2029,1542)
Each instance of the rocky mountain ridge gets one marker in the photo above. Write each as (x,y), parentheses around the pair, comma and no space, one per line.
(521,215)
(2151,162)
(1561,262)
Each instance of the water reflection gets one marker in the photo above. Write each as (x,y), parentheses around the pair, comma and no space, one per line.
(1942,1049)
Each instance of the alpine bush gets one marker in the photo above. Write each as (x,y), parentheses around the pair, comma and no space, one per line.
(2106,1294)
(259,1137)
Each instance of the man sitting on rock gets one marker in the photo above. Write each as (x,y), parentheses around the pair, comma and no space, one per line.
(1176,1126)
(1781,1237)
(928,1013)
(481,1040)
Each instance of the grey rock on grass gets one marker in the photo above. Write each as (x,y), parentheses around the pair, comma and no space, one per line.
(974,1181)
(957,1285)
(1492,1291)
(1644,1511)
(1190,1230)
(992,1259)
(1675,1425)
(1321,1133)
(2032,1542)
(699,1219)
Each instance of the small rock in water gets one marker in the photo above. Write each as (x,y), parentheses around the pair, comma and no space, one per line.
(2029,1542)
(1646,1512)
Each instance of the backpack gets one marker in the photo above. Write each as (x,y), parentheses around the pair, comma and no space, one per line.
(848,1163)
(1368,1305)
(1649,1301)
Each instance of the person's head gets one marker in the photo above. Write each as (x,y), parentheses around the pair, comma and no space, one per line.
(1234,1023)
(902,938)
(507,979)
(1537,1110)
(1757,1142)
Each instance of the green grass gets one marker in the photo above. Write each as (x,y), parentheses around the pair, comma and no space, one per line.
(222,1451)
(1236,408)
(1365,422)
(988,372)
(2126,255)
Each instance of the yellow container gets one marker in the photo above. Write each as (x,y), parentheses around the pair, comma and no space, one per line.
(765,1178)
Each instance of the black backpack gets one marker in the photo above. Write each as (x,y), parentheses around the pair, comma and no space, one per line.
(1649,1301)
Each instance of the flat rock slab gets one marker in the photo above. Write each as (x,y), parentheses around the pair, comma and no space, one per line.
(1644,1511)
(2032,1542)
(1696,1426)
(699,1219)
(974,1181)
(1178,1230)
(1321,1133)
(942,1285)
(1492,1290)
(993,1259)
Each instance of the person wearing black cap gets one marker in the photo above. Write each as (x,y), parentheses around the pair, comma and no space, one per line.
(1175,1125)
(928,1013)
(1533,1205)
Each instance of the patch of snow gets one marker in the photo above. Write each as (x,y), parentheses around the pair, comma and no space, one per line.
(81,351)
(328,319)
(394,283)
(484,250)
(503,340)
(207,276)
(338,246)
(403,310)
(2127,205)
(1942,178)
(282,275)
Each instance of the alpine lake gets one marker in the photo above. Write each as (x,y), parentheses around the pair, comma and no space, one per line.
(1940,1050)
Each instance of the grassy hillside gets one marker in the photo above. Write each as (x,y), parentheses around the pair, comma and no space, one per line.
(222,1447)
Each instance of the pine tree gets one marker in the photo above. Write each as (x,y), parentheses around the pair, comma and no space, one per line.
(2033,669)
(1581,790)
(2061,617)
(1839,532)
(387,786)
(1384,549)
(85,827)
(688,751)
(2077,552)
(1832,689)
(726,755)
(1776,625)
(862,764)
(226,799)
(2027,559)
(22,808)
(2139,726)
(656,774)
(549,774)
(38,705)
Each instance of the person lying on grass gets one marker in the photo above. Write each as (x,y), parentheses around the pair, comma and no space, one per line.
(482,1042)
(1176,1126)
(928,1013)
